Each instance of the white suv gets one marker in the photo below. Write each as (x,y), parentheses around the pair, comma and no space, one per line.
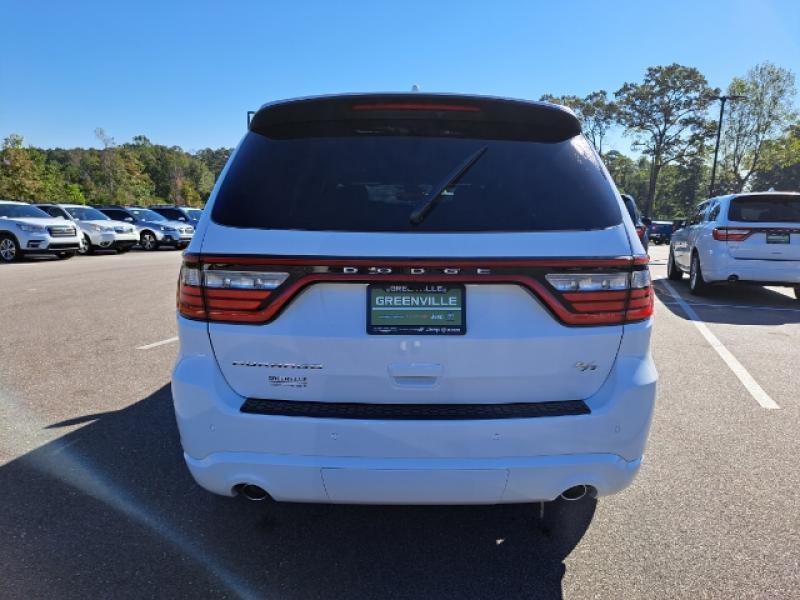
(99,231)
(24,229)
(414,299)
(750,238)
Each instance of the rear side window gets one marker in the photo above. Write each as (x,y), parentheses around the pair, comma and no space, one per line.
(117,215)
(774,208)
(374,182)
(170,213)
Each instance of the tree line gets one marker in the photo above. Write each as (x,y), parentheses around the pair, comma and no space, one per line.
(138,172)
(669,117)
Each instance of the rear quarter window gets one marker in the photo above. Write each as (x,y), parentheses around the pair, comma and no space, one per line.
(374,182)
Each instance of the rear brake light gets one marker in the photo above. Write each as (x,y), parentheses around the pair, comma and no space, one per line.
(724,234)
(425,106)
(254,290)
(604,298)
(225,295)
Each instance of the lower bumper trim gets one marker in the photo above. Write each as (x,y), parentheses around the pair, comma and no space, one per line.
(414,412)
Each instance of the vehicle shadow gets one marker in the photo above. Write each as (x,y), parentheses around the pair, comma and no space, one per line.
(109,510)
(736,304)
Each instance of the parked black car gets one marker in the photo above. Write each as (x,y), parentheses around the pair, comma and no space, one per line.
(639,222)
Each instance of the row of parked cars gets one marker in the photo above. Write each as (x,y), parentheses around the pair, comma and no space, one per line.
(64,230)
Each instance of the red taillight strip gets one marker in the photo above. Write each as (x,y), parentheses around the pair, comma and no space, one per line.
(259,306)
(305,261)
(430,106)
(723,234)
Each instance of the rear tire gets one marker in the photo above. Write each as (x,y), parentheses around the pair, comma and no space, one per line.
(697,284)
(148,241)
(674,272)
(9,249)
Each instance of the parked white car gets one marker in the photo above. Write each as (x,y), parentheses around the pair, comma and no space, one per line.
(154,230)
(25,229)
(99,231)
(414,299)
(747,238)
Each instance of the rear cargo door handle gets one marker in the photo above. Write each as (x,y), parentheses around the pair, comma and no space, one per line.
(415,374)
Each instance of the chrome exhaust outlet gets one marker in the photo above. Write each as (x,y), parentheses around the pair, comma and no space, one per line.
(575,493)
(252,492)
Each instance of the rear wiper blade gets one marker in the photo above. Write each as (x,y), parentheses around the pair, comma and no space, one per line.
(428,203)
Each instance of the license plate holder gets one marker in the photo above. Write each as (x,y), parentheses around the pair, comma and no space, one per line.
(416,309)
(778,237)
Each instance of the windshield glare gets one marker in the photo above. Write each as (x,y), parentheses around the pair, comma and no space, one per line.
(86,213)
(13,211)
(144,214)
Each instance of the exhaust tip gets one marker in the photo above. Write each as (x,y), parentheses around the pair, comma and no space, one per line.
(252,492)
(574,493)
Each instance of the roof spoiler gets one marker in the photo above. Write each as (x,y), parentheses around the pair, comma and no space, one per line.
(449,115)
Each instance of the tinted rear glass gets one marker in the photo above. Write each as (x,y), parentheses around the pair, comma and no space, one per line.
(765,209)
(373,183)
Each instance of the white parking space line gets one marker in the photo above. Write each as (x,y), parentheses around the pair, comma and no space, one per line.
(157,344)
(756,391)
(741,306)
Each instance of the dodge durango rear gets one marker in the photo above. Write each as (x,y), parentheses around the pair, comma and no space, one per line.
(414,299)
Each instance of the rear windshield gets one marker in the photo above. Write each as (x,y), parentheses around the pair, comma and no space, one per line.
(765,209)
(374,182)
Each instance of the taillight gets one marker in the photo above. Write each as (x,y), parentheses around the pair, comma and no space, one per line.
(225,294)
(725,234)
(190,292)
(604,298)
(253,290)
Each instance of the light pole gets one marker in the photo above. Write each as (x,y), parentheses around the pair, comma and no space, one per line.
(722,101)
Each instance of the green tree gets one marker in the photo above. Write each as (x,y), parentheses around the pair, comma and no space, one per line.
(596,113)
(779,167)
(19,179)
(666,116)
(214,159)
(764,112)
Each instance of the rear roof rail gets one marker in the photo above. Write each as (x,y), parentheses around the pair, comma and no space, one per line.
(451,115)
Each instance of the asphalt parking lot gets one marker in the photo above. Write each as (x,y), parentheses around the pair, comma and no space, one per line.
(96,501)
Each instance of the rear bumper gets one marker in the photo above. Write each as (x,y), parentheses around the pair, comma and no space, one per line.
(474,461)
(354,480)
(721,267)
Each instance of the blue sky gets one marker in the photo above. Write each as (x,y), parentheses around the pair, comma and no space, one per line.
(185,73)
